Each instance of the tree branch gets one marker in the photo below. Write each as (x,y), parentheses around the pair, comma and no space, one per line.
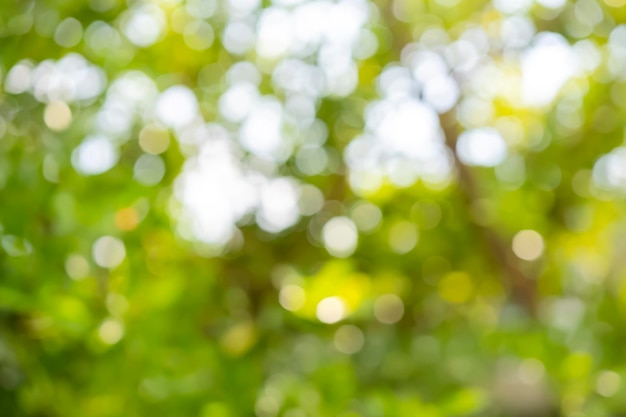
(522,290)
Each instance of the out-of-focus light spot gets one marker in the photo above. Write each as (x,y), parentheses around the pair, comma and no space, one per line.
(301,110)
(307,34)
(456,287)
(278,208)
(177,106)
(435,36)
(552,4)
(274,33)
(615,3)
(214,191)
(76,267)
(287,3)
(267,406)
(447,3)
(512,6)
(50,169)
(564,314)
(102,5)
(198,35)
(345,20)
(426,348)
(427,214)
(608,383)
(340,237)
(388,308)
(531,371)
(69,79)
(402,237)
(95,155)
(144,25)
(591,267)
(516,396)
(291,297)
(239,338)
(366,216)
(491,80)
(401,172)
(16,246)
(243,72)
(395,81)
(481,147)
(298,77)
(68,33)
(239,37)
(126,219)
(588,54)
(155,389)
(101,37)
(117,304)
(242,7)
(132,90)
(261,132)
(348,339)
(366,46)
(330,310)
(111,331)
(546,66)
(512,171)
(108,252)
(238,101)
(18,79)
(20,24)
(511,129)
(149,169)
(311,200)
(153,139)
(311,160)
(178,19)
(426,65)
(442,93)
(463,55)
(588,13)
(365,182)
(517,32)
(609,171)
(201,9)
(341,78)
(115,117)
(405,142)
(528,245)
(57,116)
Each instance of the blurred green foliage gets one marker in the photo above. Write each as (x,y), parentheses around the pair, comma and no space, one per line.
(488,282)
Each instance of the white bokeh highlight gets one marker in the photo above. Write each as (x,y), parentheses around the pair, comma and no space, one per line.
(95,155)
(481,147)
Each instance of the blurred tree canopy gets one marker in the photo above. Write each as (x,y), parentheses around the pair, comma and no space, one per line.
(302,208)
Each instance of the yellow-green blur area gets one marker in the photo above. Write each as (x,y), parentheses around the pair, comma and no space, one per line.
(312,208)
